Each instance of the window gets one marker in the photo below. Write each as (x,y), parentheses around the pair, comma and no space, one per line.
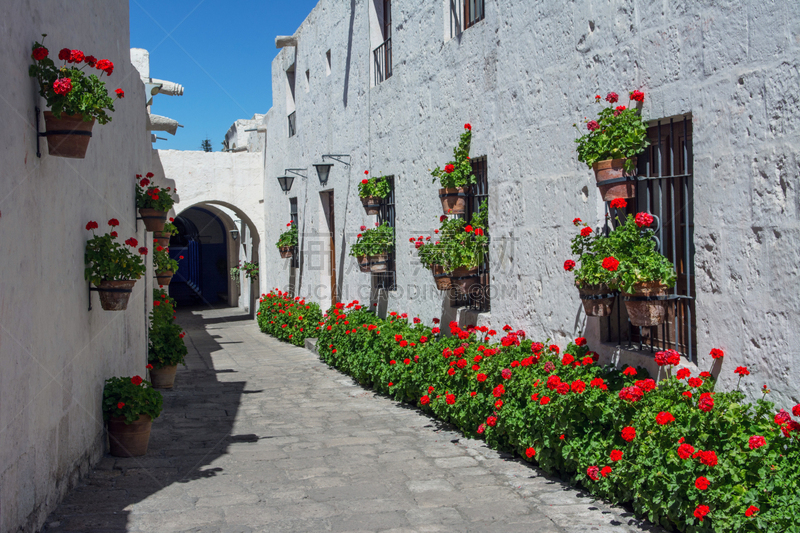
(477,300)
(383,54)
(664,189)
(290,100)
(292,124)
(473,12)
(328,63)
(295,261)
(388,280)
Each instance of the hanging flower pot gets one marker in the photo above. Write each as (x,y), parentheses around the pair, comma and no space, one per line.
(288,240)
(164,278)
(372,205)
(363,263)
(598,300)
(163,378)
(614,170)
(67,136)
(454,200)
(441,278)
(378,263)
(286,252)
(464,278)
(153,219)
(114,295)
(161,238)
(644,307)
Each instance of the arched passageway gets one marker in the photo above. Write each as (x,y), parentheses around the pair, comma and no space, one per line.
(211,240)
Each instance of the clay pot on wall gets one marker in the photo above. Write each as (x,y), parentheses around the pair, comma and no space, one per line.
(454,200)
(67,136)
(286,252)
(378,263)
(163,378)
(129,440)
(372,205)
(441,278)
(153,220)
(164,278)
(613,169)
(598,300)
(464,278)
(643,311)
(363,263)
(161,238)
(114,295)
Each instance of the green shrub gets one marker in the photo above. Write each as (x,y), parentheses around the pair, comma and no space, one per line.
(129,398)
(288,319)
(166,346)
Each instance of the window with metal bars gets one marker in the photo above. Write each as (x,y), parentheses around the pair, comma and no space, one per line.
(295,260)
(664,189)
(388,280)
(479,300)
(473,12)
(292,124)
(382,55)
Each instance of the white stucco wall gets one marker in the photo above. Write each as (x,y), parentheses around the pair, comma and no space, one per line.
(55,353)
(522,77)
(219,179)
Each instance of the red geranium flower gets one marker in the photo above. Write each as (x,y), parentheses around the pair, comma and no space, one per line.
(592,125)
(120,93)
(114,234)
(702,483)
(742,371)
(136,380)
(628,433)
(796,410)
(701,512)
(91,225)
(630,371)
(63,54)
(468,228)
(782,417)
(569,264)
(706,403)
(612,98)
(449,168)
(143,250)
(468,126)
(683,373)
(751,511)
(40,52)
(90,60)
(120,405)
(615,455)
(576,221)
(756,441)
(105,65)
(643,220)
(530,452)
(425,400)
(695,382)
(62,86)
(450,399)
(606,470)
(663,418)
(637,96)
(593,472)
(716,353)
(133,243)
(149,366)
(491,421)
(618,203)
(545,400)
(585,232)
(611,264)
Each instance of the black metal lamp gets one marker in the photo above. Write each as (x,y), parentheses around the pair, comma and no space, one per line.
(286,183)
(323,170)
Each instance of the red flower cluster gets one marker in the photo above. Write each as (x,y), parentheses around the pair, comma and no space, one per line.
(615,455)
(716,353)
(449,168)
(756,441)
(702,483)
(611,264)
(628,434)
(742,371)
(663,418)
(40,52)
(136,380)
(612,98)
(644,220)
(701,512)
(592,125)
(593,472)
(631,394)
(569,265)
(637,96)
(618,203)
(706,402)
(62,86)
(685,451)
(585,232)
(668,357)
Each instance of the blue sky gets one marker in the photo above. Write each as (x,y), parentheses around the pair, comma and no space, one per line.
(221,52)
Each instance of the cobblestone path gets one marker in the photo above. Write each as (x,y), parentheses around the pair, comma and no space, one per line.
(261,436)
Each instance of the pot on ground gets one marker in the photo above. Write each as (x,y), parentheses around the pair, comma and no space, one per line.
(441,278)
(363,263)
(286,252)
(164,278)
(161,238)
(378,263)
(598,300)
(372,204)
(464,278)
(67,136)
(153,219)
(114,295)
(614,169)
(163,378)
(454,200)
(643,306)
(129,440)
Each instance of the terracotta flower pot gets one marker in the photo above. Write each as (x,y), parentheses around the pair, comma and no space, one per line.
(464,278)
(163,378)
(153,220)
(129,440)
(646,313)
(363,263)
(454,200)
(286,252)
(598,300)
(67,136)
(114,295)
(372,205)
(165,277)
(378,263)
(441,278)
(161,238)
(612,169)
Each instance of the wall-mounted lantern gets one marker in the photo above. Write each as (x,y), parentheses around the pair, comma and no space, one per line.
(286,183)
(323,170)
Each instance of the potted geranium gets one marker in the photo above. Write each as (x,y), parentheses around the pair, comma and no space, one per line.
(287,242)
(153,202)
(249,268)
(372,191)
(164,265)
(372,248)
(642,274)
(129,407)
(464,247)
(161,238)
(111,267)
(166,348)
(433,257)
(614,140)
(76,99)
(456,177)
(597,285)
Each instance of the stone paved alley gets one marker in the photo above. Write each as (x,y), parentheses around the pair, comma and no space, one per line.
(261,436)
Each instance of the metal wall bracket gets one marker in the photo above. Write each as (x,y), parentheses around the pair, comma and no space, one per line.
(336,157)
